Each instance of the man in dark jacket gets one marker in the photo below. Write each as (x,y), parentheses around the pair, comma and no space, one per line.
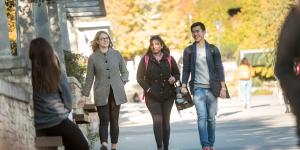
(288,52)
(203,62)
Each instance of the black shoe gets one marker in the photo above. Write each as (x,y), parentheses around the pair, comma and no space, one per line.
(103,147)
(166,147)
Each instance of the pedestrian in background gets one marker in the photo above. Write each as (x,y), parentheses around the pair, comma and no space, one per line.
(107,67)
(287,56)
(203,62)
(245,74)
(282,97)
(52,97)
(157,72)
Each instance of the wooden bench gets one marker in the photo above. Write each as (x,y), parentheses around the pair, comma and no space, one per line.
(81,118)
(49,143)
(90,108)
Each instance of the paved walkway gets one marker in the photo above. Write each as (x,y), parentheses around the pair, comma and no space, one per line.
(264,126)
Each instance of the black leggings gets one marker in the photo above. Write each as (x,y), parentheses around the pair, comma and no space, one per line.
(109,114)
(160,112)
(73,138)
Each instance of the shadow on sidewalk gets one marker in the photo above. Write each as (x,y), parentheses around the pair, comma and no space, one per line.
(269,132)
(255,133)
(264,105)
(227,114)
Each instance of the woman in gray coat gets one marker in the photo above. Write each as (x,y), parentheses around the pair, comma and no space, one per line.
(108,68)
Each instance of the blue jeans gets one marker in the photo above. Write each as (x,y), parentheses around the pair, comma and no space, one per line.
(245,92)
(206,106)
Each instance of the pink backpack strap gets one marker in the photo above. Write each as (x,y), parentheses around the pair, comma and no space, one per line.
(170,62)
(146,59)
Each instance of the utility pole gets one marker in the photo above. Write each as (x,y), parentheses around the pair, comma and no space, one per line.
(218,27)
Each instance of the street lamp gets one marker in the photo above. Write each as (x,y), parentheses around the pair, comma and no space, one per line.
(190,19)
(218,24)
(190,23)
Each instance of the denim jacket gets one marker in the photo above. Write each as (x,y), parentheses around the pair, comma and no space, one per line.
(214,62)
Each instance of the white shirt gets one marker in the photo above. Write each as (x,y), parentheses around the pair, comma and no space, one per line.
(201,72)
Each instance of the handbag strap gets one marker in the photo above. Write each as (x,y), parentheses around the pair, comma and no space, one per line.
(180,84)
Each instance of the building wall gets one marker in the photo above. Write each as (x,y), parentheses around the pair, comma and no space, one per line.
(17,130)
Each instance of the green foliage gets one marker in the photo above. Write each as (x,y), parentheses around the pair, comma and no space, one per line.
(256,82)
(13,46)
(263,92)
(264,73)
(76,66)
(141,19)
(210,12)
(256,26)
(261,21)
(92,138)
(11,19)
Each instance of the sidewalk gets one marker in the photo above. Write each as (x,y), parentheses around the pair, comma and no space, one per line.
(137,114)
(264,126)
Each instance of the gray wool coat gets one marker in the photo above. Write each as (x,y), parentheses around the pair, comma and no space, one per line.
(108,70)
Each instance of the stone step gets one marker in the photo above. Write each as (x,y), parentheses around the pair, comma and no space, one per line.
(90,108)
(49,142)
(81,118)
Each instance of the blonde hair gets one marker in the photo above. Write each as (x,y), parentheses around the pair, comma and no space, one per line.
(94,43)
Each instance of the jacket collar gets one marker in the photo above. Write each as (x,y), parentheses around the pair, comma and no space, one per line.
(108,51)
(165,55)
(194,46)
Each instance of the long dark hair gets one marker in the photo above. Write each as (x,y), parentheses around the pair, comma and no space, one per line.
(94,43)
(45,66)
(164,49)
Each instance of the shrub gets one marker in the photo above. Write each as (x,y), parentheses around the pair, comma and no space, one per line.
(264,73)
(76,66)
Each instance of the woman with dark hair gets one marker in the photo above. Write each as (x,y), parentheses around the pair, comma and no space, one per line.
(287,60)
(52,97)
(108,68)
(157,72)
(245,73)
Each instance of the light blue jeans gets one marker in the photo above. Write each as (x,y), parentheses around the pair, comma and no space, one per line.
(206,106)
(245,92)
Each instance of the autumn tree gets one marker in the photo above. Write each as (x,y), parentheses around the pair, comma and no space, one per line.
(260,21)
(254,25)
(141,19)
(11,19)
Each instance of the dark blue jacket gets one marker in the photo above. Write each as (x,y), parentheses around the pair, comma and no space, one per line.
(214,62)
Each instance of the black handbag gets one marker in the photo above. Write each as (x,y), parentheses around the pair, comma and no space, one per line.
(215,86)
(182,101)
